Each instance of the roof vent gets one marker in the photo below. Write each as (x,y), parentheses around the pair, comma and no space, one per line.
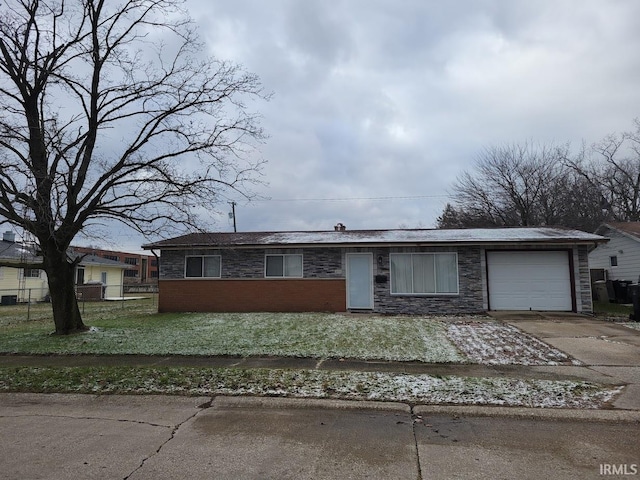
(339,227)
(9,237)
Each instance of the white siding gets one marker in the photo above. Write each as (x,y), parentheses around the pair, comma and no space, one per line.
(11,284)
(93,273)
(626,249)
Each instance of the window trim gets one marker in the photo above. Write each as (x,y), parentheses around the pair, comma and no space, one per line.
(283,255)
(434,294)
(613,260)
(202,257)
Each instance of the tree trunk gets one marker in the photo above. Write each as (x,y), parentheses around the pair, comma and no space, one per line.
(60,273)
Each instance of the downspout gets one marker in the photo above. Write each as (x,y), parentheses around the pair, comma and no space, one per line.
(158,267)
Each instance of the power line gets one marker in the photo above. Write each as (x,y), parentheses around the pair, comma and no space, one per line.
(347,199)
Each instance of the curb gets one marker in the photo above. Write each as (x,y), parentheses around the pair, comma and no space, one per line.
(468,411)
(307,403)
(592,415)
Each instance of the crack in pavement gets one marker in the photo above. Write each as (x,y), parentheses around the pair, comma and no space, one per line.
(75,417)
(415,419)
(174,431)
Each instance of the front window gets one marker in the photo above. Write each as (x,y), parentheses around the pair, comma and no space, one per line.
(280,266)
(208,266)
(424,273)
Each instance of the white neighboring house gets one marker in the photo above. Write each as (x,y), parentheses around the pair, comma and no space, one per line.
(96,277)
(17,283)
(620,257)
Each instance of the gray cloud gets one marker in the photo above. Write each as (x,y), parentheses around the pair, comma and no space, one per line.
(377,99)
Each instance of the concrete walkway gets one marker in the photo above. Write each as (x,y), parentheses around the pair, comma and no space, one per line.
(610,352)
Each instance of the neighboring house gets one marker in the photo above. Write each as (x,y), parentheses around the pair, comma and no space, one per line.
(620,257)
(383,271)
(96,277)
(17,283)
(141,268)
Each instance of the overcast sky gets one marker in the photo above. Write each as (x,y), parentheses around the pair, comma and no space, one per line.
(379,105)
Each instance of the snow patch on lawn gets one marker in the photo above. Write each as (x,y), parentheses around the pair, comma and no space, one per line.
(427,389)
(494,343)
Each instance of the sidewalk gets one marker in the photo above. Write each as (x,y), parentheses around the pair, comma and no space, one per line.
(158,437)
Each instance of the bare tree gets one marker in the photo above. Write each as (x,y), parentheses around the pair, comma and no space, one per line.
(522,185)
(613,167)
(110,110)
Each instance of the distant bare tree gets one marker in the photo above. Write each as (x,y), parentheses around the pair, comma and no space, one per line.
(522,185)
(110,110)
(612,166)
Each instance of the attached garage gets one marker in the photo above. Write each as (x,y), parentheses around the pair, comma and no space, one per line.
(529,280)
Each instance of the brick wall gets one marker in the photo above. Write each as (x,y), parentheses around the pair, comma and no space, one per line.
(267,295)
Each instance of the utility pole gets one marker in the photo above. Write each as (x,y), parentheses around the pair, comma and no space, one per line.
(233,215)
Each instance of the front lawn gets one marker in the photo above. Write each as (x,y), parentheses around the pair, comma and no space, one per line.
(131,329)
(378,386)
(289,335)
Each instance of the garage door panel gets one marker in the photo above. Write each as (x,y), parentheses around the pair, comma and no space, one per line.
(538,280)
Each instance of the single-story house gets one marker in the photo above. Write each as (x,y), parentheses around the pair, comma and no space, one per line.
(421,271)
(620,257)
(21,280)
(98,278)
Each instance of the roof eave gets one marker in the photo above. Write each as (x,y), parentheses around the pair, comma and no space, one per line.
(444,243)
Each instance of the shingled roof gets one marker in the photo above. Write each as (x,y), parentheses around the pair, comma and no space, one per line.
(631,229)
(530,235)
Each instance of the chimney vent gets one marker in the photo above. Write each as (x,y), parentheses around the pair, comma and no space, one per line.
(9,236)
(340,227)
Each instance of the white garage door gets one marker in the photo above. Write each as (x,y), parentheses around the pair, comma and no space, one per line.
(529,281)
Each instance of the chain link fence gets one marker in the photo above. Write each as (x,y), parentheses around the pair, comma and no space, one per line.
(24,304)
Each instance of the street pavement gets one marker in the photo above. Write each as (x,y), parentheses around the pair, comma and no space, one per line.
(159,437)
(162,437)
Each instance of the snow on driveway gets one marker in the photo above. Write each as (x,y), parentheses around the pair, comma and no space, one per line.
(494,343)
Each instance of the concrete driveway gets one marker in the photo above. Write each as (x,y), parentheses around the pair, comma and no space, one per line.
(154,437)
(607,350)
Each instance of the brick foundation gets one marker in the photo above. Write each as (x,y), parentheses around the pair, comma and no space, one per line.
(300,295)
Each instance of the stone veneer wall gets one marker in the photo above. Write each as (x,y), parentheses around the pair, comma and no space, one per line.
(584,300)
(249,263)
(470,286)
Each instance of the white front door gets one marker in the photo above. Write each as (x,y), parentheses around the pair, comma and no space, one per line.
(360,281)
